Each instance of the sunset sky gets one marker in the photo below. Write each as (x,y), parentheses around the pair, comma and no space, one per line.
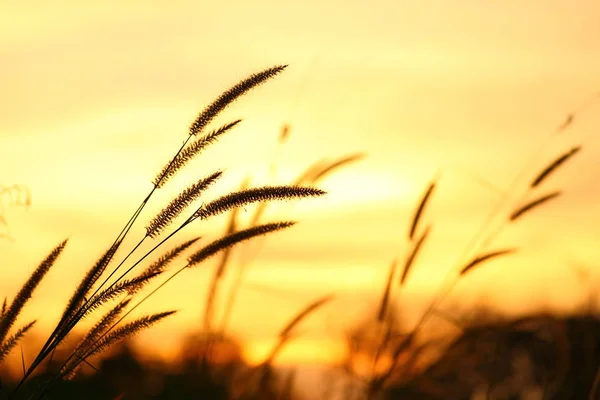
(96,96)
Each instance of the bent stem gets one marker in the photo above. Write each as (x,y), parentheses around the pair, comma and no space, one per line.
(60,331)
(448,283)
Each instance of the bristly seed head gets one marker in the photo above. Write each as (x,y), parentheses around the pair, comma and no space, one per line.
(235,238)
(188,153)
(244,197)
(178,204)
(553,166)
(533,204)
(230,95)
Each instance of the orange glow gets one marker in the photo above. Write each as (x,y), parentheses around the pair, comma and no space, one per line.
(96,98)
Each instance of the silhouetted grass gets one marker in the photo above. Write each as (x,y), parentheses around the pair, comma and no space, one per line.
(563,353)
(401,346)
(96,289)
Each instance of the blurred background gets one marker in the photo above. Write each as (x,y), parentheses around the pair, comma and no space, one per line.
(96,96)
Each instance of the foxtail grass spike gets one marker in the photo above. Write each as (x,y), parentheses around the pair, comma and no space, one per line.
(188,153)
(8,345)
(244,197)
(413,255)
(419,212)
(554,165)
(235,238)
(160,265)
(88,282)
(230,95)
(535,203)
(322,168)
(284,334)
(479,260)
(386,294)
(179,204)
(98,329)
(122,287)
(10,316)
(117,335)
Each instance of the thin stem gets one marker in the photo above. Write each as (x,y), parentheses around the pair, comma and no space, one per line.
(235,286)
(479,235)
(84,308)
(447,283)
(128,312)
(92,348)
(447,286)
(140,210)
(51,342)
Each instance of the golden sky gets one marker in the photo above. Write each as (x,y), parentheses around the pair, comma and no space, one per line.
(96,96)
